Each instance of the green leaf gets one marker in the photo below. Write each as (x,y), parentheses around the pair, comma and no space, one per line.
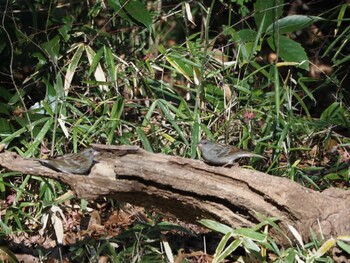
(21,189)
(250,233)
(138,12)
(292,23)
(269,10)
(99,73)
(344,246)
(340,61)
(338,43)
(40,137)
(215,96)
(195,138)
(341,17)
(255,46)
(111,68)
(5,127)
(95,61)
(95,9)
(216,226)
(177,111)
(48,108)
(146,119)
(331,112)
(250,245)
(220,253)
(247,41)
(118,8)
(289,50)
(52,48)
(87,130)
(247,35)
(17,97)
(302,102)
(308,92)
(145,142)
(42,60)
(126,10)
(72,67)
(64,30)
(181,66)
(164,106)
(13,135)
(116,113)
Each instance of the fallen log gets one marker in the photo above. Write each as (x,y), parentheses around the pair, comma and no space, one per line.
(191,190)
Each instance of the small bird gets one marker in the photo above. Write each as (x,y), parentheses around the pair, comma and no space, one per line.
(221,154)
(76,163)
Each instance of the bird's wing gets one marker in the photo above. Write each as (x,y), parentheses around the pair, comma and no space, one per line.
(222,150)
(76,162)
(68,159)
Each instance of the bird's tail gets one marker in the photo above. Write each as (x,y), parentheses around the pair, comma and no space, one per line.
(249,154)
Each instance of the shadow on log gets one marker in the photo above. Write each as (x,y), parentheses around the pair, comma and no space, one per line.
(191,190)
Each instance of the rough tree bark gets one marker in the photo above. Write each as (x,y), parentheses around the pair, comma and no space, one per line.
(190,189)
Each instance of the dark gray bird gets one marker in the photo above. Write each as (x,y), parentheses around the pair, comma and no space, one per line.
(221,154)
(75,163)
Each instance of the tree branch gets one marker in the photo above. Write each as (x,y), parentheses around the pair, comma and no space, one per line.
(191,190)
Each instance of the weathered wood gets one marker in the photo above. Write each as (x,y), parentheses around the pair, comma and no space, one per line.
(190,190)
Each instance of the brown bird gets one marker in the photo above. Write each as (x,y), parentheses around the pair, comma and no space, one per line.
(221,154)
(76,163)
